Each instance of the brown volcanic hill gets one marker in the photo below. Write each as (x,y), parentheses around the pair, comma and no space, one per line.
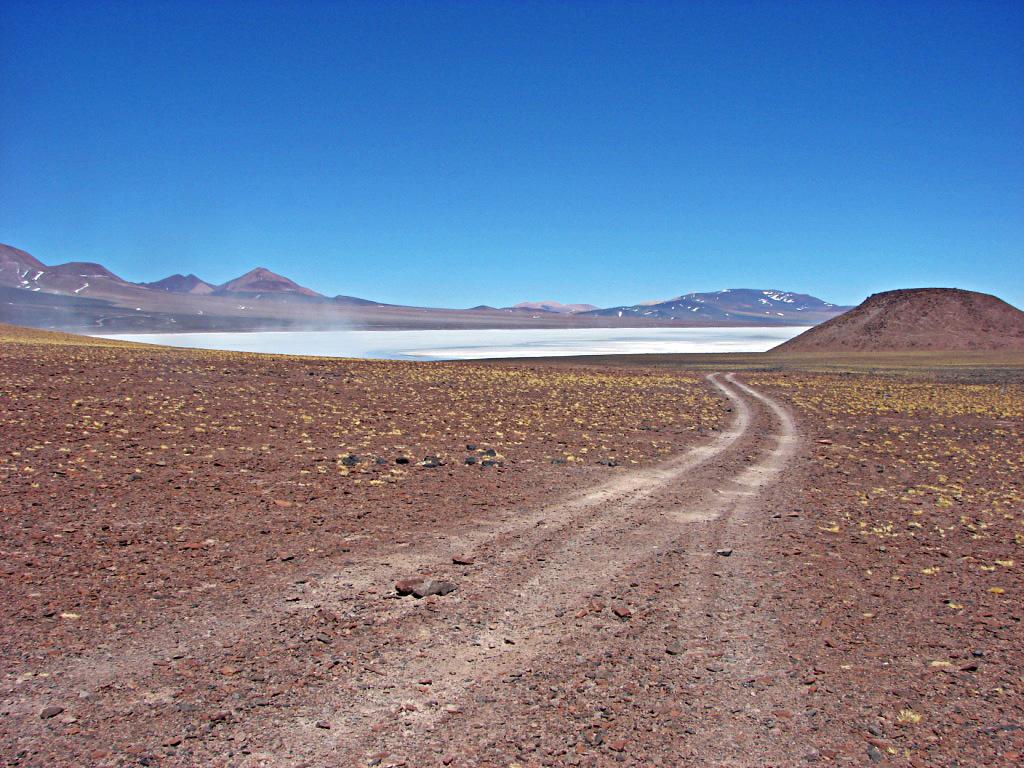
(83,269)
(181,284)
(917,319)
(262,280)
(15,264)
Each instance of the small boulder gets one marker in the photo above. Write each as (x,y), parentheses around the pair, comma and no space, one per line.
(406,586)
(420,588)
(431,587)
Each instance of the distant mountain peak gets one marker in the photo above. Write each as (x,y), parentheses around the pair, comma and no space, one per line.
(554,306)
(181,284)
(9,255)
(262,280)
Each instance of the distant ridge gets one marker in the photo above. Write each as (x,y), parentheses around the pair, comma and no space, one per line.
(553,306)
(733,305)
(84,269)
(917,319)
(181,284)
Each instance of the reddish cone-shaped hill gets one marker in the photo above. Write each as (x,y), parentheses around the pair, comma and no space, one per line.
(917,319)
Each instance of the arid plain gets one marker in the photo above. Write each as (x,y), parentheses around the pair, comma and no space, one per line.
(653,563)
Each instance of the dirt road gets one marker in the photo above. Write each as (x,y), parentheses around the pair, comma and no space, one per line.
(603,627)
(572,581)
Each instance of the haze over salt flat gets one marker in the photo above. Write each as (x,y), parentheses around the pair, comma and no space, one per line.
(480,344)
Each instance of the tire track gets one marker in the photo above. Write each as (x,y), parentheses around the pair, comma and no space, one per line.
(523,610)
(516,610)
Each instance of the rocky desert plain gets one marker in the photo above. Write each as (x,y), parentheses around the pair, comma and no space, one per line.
(223,559)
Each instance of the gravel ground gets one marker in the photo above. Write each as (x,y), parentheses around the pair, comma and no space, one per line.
(632,566)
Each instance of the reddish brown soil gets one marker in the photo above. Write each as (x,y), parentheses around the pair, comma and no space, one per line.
(197,572)
(917,319)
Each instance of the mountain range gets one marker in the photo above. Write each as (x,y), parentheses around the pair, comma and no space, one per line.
(732,305)
(86,296)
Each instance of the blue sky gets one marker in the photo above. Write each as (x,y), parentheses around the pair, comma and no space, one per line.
(463,153)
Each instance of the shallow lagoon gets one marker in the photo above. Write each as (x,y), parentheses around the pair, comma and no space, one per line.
(478,344)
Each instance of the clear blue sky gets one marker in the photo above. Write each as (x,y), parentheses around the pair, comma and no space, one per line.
(465,153)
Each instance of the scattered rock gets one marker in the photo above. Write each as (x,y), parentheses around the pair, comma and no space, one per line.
(406,586)
(423,587)
(622,611)
(723,552)
(51,711)
(463,560)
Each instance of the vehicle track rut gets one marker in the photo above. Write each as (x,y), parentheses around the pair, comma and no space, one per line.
(548,590)
(541,581)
